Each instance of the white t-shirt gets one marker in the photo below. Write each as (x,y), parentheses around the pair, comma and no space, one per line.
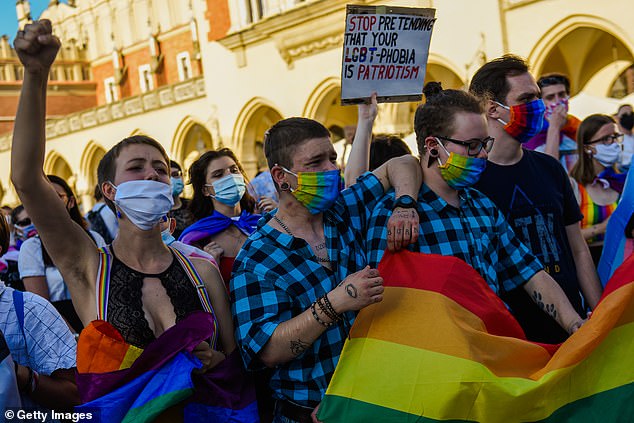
(108,217)
(31,263)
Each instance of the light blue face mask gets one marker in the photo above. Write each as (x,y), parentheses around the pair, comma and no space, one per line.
(229,189)
(167,237)
(177,186)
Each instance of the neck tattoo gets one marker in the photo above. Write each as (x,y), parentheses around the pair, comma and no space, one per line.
(318,247)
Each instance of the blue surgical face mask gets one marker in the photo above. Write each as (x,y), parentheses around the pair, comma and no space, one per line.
(145,203)
(229,189)
(167,237)
(177,186)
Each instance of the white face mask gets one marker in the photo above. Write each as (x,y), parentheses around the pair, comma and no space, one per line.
(144,202)
(607,155)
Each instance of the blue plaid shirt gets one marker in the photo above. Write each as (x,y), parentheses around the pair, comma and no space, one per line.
(476,233)
(277,277)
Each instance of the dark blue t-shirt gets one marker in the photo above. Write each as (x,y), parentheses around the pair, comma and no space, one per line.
(537,200)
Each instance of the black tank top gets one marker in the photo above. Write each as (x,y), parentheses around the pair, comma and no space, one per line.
(125,308)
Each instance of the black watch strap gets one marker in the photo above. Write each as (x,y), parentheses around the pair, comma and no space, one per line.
(405,202)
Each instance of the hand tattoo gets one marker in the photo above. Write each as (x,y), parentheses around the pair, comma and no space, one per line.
(298,347)
(351,290)
(406,214)
(320,247)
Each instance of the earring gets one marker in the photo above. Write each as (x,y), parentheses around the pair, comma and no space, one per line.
(433,154)
(285,186)
(118,214)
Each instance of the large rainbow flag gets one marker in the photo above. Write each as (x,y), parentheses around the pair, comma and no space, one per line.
(442,346)
(121,383)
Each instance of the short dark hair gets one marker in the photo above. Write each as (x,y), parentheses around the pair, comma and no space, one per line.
(15,212)
(554,79)
(621,108)
(490,81)
(174,164)
(97,195)
(437,115)
(385,147)
(283,138)
(583,170)
(200,205)
(108,163)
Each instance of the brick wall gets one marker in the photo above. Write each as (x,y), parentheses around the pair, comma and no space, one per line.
(219,19)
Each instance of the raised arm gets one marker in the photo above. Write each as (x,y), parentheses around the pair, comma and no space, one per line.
(556,121)
(359,159)
(70,247)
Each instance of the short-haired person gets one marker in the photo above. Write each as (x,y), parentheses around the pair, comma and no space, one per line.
(533,192)
(150,288)
(458,220)
(599,152)
(625,119)
(559,139)
(300,277)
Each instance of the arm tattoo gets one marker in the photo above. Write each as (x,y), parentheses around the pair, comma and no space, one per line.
(548,308)
(351,290)
(298,347)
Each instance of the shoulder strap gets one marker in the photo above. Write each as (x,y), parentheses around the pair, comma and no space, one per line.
(103,283)
(101,208)
(198,283)
(18,301)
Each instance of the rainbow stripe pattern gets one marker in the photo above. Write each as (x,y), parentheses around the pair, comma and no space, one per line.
(527,120)
(318,190)
(118,382)
(592,212)
(442,346)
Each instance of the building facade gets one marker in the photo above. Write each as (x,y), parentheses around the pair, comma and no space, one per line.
(200,74)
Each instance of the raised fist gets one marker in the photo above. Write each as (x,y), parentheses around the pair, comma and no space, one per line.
(36,46)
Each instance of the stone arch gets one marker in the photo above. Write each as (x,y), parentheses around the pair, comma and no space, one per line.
(88,164)
(55,164)
(582,46)
(190,140)
(441,69)
(257,115)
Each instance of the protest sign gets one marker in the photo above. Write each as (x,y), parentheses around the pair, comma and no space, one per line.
(385,50)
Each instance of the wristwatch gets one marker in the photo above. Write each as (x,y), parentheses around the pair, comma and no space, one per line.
(405,202)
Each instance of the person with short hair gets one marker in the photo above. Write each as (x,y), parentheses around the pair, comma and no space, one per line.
(101,219)
(559,138)
(147,291)
(625,119)
(460,221)
(534,193)
(302,275)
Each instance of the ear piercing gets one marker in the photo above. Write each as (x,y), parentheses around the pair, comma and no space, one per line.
(285,186)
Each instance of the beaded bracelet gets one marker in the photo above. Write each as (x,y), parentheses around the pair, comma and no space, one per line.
(328,309)
(321,322)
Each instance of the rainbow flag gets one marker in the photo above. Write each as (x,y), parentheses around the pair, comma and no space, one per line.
(442,346)
(118,382)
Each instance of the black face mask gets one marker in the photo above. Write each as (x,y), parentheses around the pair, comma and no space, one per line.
(627,121)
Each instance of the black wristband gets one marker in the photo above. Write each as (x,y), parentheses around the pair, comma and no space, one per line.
(405,202)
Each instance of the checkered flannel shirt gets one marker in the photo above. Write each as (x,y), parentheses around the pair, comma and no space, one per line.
(476,232)
(276,277)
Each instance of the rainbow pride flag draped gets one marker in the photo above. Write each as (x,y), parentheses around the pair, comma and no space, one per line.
(442,347)
(121,383)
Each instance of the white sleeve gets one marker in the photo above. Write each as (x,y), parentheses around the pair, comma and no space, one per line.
(51,345)
(30,261)
(98,239)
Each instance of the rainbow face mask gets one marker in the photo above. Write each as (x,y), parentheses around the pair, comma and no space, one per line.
(527,120)
(317,191)
(461,171)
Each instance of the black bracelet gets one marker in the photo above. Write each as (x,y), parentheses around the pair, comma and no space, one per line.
(325,310)
(321,322)
(330,310)
(29,382)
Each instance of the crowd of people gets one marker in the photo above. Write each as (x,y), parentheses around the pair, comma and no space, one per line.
(273,272)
